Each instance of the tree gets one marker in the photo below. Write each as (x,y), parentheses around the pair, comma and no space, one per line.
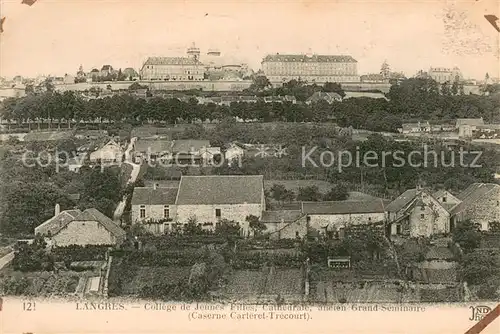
(227,228)
(192,227)
(337,193)
(309,193)
(385,70)
(260,83)
(467,235)
(33,257)
(478,267)
(280,194)
(255,224)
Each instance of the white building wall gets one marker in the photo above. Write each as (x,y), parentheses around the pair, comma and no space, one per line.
(330,221)
(206,213)
(83,233)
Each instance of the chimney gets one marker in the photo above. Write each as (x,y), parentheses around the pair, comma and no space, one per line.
(57,209)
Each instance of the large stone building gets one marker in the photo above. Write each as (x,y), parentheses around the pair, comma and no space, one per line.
(442,75)
(310,68)
(172,68)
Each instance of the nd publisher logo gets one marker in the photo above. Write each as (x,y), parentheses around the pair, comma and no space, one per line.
(479,312)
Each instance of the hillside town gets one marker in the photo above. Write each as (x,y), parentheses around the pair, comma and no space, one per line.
(198,178)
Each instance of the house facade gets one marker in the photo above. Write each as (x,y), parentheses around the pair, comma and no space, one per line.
(234,153)
(154,208)
(416,213)
(111,152)
(284,224)
(75,227)
(332,218)
(209,199)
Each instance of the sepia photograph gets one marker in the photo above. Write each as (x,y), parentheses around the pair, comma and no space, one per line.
(249,166)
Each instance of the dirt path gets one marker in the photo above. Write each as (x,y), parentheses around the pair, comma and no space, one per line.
(133,177)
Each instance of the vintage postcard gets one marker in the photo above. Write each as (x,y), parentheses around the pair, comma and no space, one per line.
(249,166)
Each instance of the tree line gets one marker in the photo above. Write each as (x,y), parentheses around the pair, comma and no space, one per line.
(411,99)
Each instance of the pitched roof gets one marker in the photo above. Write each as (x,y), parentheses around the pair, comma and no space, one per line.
(472,194)
(327,96)
(311,59)
(95,215)
(372,95)
(56,223)
(343,207)
(286,216)
(469,121)
(220,189)
(171,61)
(189,145)
(151,196)
(402,200)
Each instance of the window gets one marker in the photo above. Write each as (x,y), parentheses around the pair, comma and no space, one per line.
(142,211)
(422,216)
(369,219)
(444,199)
(297,234)
(218,213)
(422,207)
(166,212)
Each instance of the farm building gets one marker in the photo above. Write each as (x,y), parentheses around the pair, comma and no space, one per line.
(332,218)
(480,203)
(212,198)
(75,227)
(417,213)
(284,224)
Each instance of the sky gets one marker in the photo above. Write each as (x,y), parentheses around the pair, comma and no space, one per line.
(54,37)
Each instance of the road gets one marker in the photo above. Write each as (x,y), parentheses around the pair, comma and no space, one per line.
(133,177)
(6,259)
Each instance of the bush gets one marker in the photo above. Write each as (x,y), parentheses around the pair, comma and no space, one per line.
(80,253)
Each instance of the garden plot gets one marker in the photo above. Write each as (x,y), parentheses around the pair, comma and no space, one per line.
(40,284)
(250,284)
(149,276)
(357,292)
